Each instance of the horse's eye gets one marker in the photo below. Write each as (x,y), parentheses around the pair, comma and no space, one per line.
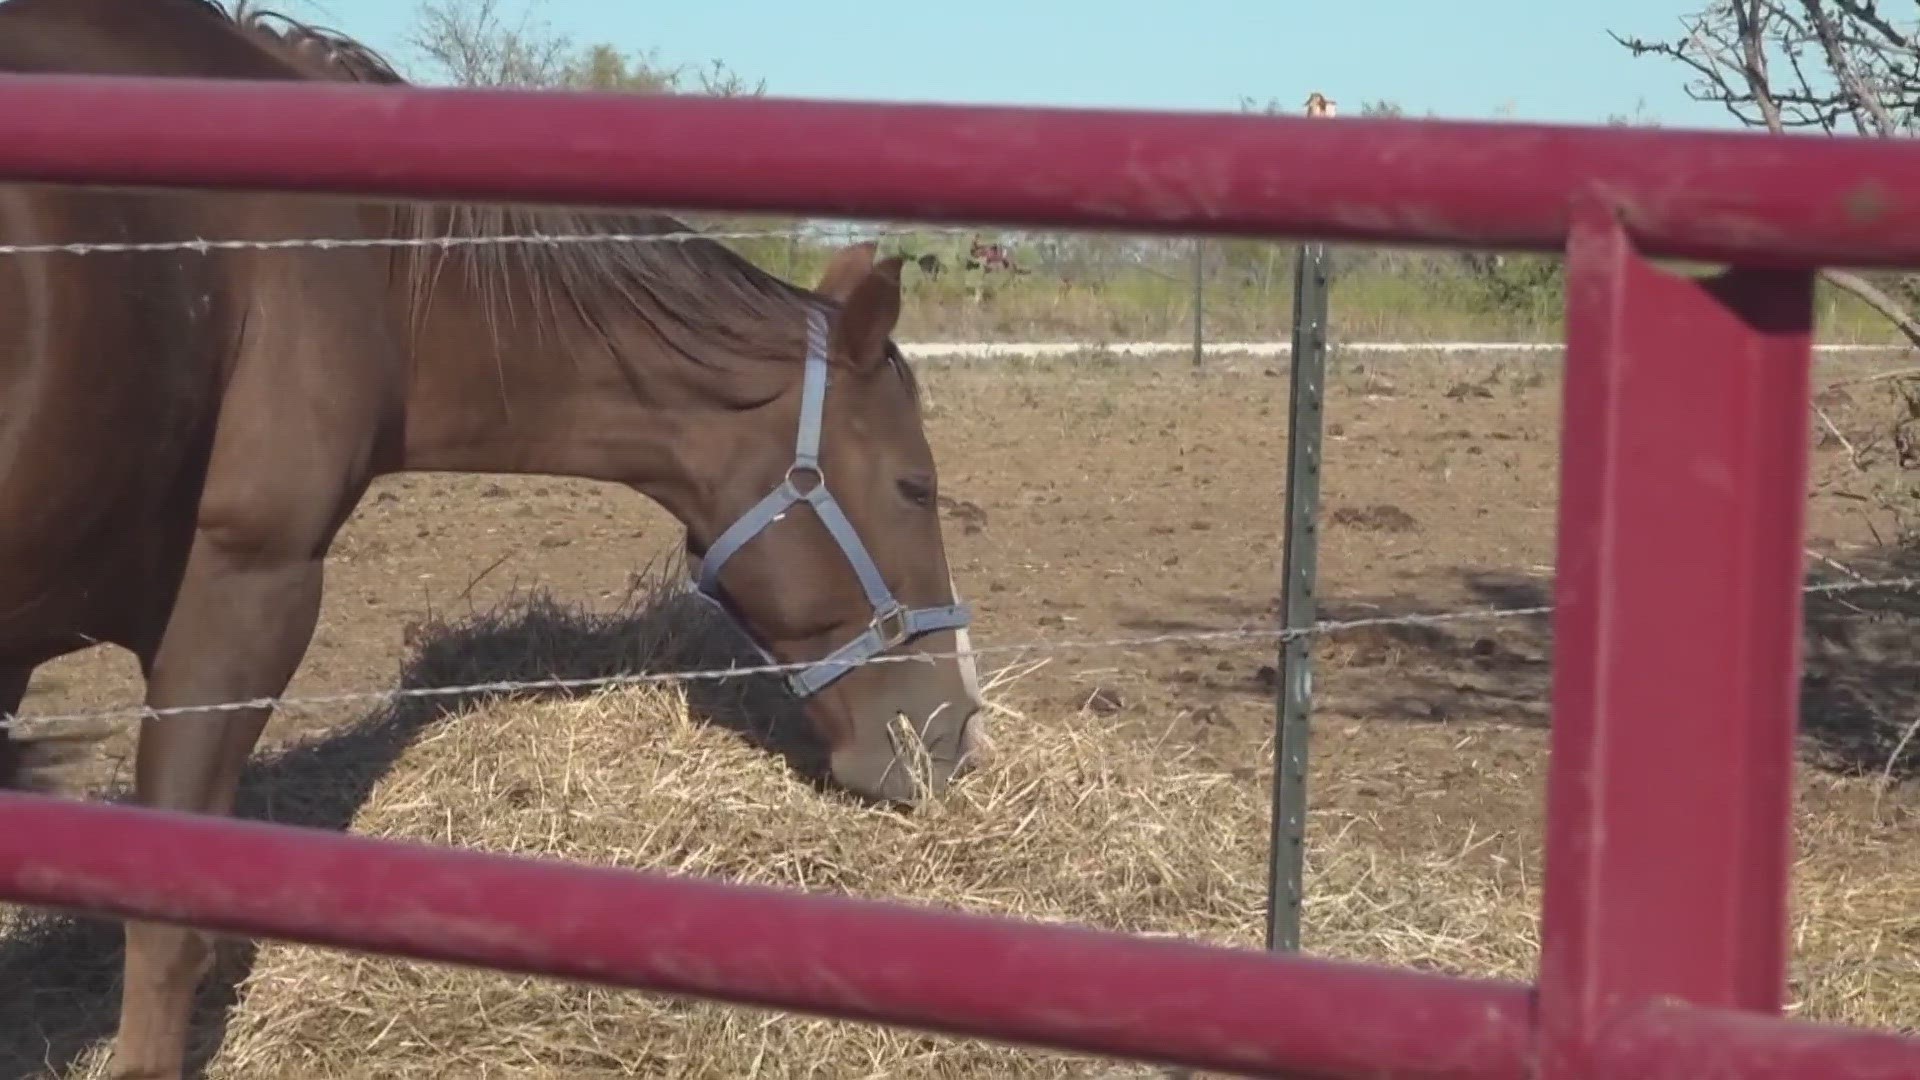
(918,492)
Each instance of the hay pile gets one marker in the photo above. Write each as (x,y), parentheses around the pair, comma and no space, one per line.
(631,779)
(1073,823)
(1074,826)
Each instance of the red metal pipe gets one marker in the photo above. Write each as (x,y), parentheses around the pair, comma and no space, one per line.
(1681,1043)
(1677,627)
(1735,196)
(1073,989)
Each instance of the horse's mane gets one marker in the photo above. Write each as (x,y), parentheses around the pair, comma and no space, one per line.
(319,51)
(683,289)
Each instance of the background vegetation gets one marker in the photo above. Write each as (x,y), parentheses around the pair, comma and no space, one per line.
(1842,67)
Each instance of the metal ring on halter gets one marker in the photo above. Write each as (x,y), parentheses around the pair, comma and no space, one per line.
(794,490)
(893,623)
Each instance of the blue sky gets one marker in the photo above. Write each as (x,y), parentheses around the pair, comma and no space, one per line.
(1530,59)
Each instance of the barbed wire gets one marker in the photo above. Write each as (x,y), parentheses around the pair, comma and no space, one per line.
(203,246)
(24,725)
(984,349)
(1862,584)
(342,243)
(1243,633)
(1046,268)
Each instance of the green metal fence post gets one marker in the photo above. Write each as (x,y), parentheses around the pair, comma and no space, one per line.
(1285,883)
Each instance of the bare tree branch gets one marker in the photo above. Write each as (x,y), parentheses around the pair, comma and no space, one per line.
(1848,62)
(1877,299)
(474,45)
(1795,65)
(1864,99)
(1788,65)
(1750,29)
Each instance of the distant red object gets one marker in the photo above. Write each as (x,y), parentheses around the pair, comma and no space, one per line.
(991,258)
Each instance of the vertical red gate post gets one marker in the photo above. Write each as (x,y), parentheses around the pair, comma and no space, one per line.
(1676,637)
(1677,594)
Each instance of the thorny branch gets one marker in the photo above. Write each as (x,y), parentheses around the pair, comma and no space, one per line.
(1849,61)
(1806,65)
(1839,67)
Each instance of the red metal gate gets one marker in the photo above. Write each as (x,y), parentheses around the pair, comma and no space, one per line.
(1678,605)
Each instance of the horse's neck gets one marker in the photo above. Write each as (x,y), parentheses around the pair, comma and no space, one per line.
(496,389)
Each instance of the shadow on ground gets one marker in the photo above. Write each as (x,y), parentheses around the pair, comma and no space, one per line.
(1860,690)
(1860,695)
(59,976)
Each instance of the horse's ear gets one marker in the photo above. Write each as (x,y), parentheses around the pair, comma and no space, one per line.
(846,270)
(867,317)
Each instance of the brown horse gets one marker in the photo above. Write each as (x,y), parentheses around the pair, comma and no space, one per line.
(182,434)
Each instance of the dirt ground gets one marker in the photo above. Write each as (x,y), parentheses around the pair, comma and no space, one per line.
(1093,498)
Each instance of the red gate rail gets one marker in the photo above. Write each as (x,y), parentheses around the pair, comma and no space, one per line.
(1735,195)
(1674,1042)
(1062,986)
(1676,619)
(1049,985)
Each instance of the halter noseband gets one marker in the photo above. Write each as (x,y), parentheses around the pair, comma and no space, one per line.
(893,623)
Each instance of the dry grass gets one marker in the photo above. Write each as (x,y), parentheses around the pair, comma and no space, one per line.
(632,779)
(1073,823)
(1072,827)
(1855,911)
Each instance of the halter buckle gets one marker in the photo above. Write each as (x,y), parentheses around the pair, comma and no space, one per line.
(893,626)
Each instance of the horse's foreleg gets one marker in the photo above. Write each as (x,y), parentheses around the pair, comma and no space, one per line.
(238,631)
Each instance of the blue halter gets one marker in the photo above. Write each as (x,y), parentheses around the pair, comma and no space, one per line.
(893,623)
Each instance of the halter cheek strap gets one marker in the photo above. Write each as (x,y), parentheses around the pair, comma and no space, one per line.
(893,624)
